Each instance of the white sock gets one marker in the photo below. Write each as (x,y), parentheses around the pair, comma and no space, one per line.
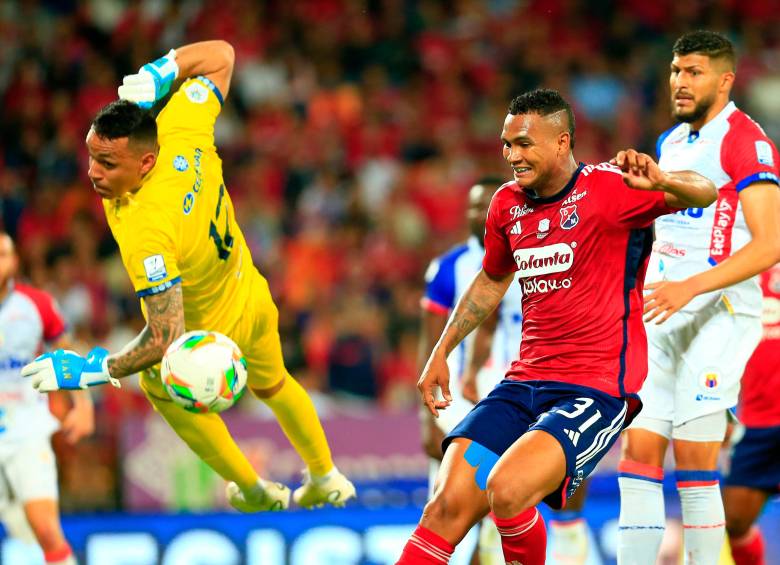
(320,479)
(568,538)
(704,523)
(642,520)
(490,551)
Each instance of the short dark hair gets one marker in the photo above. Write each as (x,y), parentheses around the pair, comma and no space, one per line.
(710,43)
(123,118)
(543,101)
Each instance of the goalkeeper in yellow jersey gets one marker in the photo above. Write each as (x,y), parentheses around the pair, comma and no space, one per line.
(168,208)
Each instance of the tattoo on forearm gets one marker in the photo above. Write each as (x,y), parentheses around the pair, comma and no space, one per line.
(478,302)
(165,315)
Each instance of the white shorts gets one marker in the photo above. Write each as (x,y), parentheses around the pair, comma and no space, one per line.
(695,363)
(28,472)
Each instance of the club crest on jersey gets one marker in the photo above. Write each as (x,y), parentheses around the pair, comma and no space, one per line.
(180,163)
(569,217)
(544,228)
(189,202)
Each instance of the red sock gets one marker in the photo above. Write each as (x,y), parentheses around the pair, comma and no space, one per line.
(749,549)
(523,538)
(426,547)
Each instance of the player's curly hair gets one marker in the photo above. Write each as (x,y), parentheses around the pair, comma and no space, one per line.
(123,118)
(710,43)
(543,101)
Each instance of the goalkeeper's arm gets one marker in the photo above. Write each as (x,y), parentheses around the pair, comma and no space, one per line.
(211,59)
(164,324)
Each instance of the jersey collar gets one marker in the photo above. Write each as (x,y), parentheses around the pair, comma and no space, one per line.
(727,110)
(560,195)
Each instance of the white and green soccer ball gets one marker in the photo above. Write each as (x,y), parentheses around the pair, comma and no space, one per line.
(204,371)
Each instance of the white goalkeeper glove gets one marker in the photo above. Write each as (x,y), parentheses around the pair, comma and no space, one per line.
(152,81)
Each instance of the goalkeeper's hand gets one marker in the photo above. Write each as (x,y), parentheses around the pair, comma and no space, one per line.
(67,370)
(152,81)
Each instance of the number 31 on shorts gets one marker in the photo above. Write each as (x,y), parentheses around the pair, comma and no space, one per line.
(580,406)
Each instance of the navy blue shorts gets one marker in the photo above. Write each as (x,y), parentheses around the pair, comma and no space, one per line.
(755,460)
(585,421)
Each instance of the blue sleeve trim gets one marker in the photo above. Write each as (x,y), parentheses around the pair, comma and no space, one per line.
(662,138)
(763,176)
(213,88)
(441,288)
(159,288)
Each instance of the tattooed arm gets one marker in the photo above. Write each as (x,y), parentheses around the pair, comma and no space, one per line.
(165,323)
(479,300)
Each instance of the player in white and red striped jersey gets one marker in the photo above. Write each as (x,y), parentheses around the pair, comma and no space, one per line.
(578,237)
(754,475)
(702,270)
(29,318)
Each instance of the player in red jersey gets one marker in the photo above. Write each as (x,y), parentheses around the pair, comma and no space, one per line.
(755,458)
(579,238)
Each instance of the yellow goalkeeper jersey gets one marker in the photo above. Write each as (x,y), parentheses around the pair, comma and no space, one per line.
(180,226)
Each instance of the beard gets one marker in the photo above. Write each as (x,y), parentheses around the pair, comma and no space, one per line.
(697,113)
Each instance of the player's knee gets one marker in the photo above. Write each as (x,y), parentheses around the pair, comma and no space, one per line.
(642,446)
(737,524)
(443,508)
(506,499)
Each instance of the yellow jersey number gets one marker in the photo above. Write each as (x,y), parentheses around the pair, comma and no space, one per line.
(224,243)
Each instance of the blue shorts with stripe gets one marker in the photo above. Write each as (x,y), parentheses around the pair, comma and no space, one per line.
(755,460)
(585,421)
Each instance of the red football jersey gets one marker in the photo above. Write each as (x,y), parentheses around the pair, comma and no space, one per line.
(581,257)
(759,407)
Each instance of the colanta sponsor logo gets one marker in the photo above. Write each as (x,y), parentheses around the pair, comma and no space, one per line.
(536,261)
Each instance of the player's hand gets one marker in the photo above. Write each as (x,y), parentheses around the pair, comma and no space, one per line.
(468,387)
(79,422)
(640,171)
(67,370)
(666,298)
(435,375)
(152,81)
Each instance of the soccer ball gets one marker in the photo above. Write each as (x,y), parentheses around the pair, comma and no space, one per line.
(204,371)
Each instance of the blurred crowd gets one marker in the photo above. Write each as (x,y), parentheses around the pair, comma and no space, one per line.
(351,134)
